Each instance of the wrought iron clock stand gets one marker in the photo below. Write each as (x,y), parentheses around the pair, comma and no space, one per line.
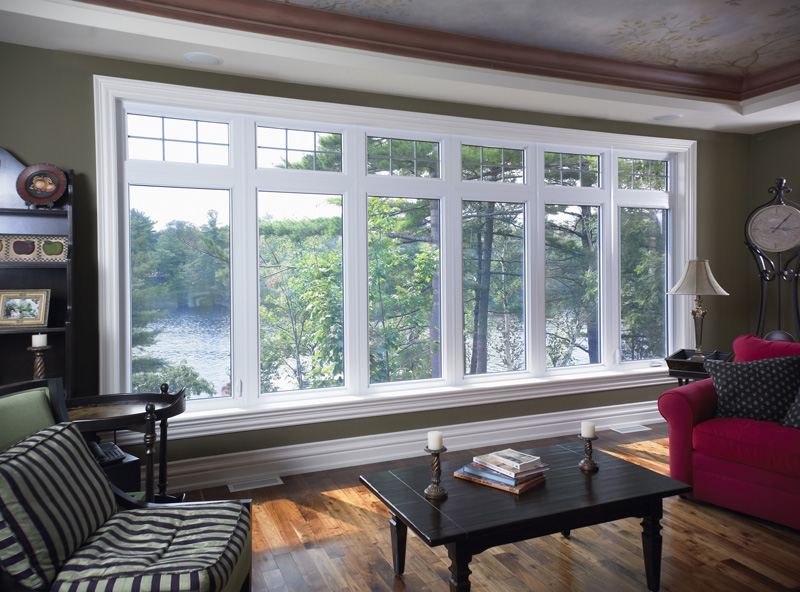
(785,266)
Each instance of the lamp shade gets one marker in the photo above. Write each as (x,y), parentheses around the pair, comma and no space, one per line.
(697,280)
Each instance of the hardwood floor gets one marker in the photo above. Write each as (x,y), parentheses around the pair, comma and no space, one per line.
(324,532)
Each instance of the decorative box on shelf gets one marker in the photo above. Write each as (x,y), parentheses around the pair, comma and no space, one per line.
(683,367)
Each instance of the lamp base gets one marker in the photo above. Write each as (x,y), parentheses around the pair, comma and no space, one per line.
(698,357)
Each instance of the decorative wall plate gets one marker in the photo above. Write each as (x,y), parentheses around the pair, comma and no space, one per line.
(41,184)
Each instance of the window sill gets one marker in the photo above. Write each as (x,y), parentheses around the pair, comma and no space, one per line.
(208,422)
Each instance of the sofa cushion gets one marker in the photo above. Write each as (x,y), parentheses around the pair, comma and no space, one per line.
(762,389)
(749,348)
(24,413)
(54,495)
(763,444)
(791,418)
(192,547)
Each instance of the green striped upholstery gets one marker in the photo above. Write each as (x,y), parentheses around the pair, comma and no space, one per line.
(168,548)
(54,495)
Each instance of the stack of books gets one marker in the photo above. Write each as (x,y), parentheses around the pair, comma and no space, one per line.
(507,469)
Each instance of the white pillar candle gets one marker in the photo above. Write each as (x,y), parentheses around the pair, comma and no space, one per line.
(435,440)
(39,340)
(587,429)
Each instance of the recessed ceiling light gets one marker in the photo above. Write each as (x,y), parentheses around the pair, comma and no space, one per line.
(198,57)
(668,117)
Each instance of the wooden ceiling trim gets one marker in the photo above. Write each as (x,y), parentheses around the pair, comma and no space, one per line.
(321,26)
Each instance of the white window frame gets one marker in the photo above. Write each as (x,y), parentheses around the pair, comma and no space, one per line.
(245,410)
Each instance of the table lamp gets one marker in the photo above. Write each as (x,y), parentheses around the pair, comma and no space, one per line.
(698,280)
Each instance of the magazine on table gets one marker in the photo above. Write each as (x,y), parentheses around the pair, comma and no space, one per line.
(508,469)
(530,484)
(510,457)
(480,470)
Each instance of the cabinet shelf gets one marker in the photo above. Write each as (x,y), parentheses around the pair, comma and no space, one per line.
(55,276)
(34,330)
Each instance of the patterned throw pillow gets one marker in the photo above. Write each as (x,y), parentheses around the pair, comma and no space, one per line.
(53,495)
(792,417)
(763,389)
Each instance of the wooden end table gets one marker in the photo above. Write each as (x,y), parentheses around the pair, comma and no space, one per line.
(475,517)
(136,412)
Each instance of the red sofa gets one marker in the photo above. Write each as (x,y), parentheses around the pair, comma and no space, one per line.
(747,465)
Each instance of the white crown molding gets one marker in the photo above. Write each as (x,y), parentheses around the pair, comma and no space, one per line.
(267,463)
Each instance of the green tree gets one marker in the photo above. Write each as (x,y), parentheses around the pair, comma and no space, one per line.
(492,267)
(643,275)
(403,289)
(301,305)
(572,284)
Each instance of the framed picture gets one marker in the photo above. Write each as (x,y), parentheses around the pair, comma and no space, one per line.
(24,308)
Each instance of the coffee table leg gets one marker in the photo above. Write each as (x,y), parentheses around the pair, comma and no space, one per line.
(651,545)
(399,537)
(459,567)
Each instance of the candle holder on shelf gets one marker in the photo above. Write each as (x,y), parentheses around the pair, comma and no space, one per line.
(38,360)
(435,489)
(587,465)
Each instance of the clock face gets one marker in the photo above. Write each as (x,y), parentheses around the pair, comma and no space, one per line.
(775,228)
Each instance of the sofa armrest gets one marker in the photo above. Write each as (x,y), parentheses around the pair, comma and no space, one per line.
(683,408)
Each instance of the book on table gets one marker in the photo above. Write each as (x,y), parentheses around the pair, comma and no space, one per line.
(479,470)
(509,457)
(522,487)
(509,470)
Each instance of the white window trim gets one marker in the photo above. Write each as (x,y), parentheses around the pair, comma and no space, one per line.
(290,409)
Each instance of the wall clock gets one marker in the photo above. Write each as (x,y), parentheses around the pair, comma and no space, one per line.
(774,228)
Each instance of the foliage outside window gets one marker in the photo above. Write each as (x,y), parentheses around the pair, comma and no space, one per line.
(404,278)
(636,173)
(300,291)
(572,281)
(404,158)
(180,290)
(573,170)
(298,149)
(493,286)
(177,140)
(643,283)
(484,163)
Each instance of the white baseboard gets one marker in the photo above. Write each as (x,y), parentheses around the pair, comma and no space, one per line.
(257,465)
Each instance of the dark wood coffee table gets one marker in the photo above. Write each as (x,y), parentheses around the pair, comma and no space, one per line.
(474,517)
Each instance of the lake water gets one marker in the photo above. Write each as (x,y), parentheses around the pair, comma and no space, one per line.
(201,336)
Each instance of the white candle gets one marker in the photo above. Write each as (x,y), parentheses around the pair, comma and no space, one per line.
(587,429)
(435,440)
(39,340)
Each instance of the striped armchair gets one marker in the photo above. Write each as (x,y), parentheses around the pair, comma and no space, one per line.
(64,528)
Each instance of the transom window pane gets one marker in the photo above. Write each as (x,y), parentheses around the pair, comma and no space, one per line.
(404,158)
(300,291)
(643,283)
(177,140)
(572,285)
(635,173)
(404,288)
(484,163)
(279,148)
(180,290)
(573,170)
(493,286)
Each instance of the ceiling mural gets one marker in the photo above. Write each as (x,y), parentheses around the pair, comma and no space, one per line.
(736,37)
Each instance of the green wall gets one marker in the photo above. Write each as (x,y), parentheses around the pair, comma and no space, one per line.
(47,116)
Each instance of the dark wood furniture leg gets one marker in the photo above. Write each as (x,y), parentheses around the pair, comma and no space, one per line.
(149,444)
(399,537)
(651,546)
(459,567)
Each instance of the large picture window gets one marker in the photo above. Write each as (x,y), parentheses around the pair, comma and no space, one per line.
(280,255)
